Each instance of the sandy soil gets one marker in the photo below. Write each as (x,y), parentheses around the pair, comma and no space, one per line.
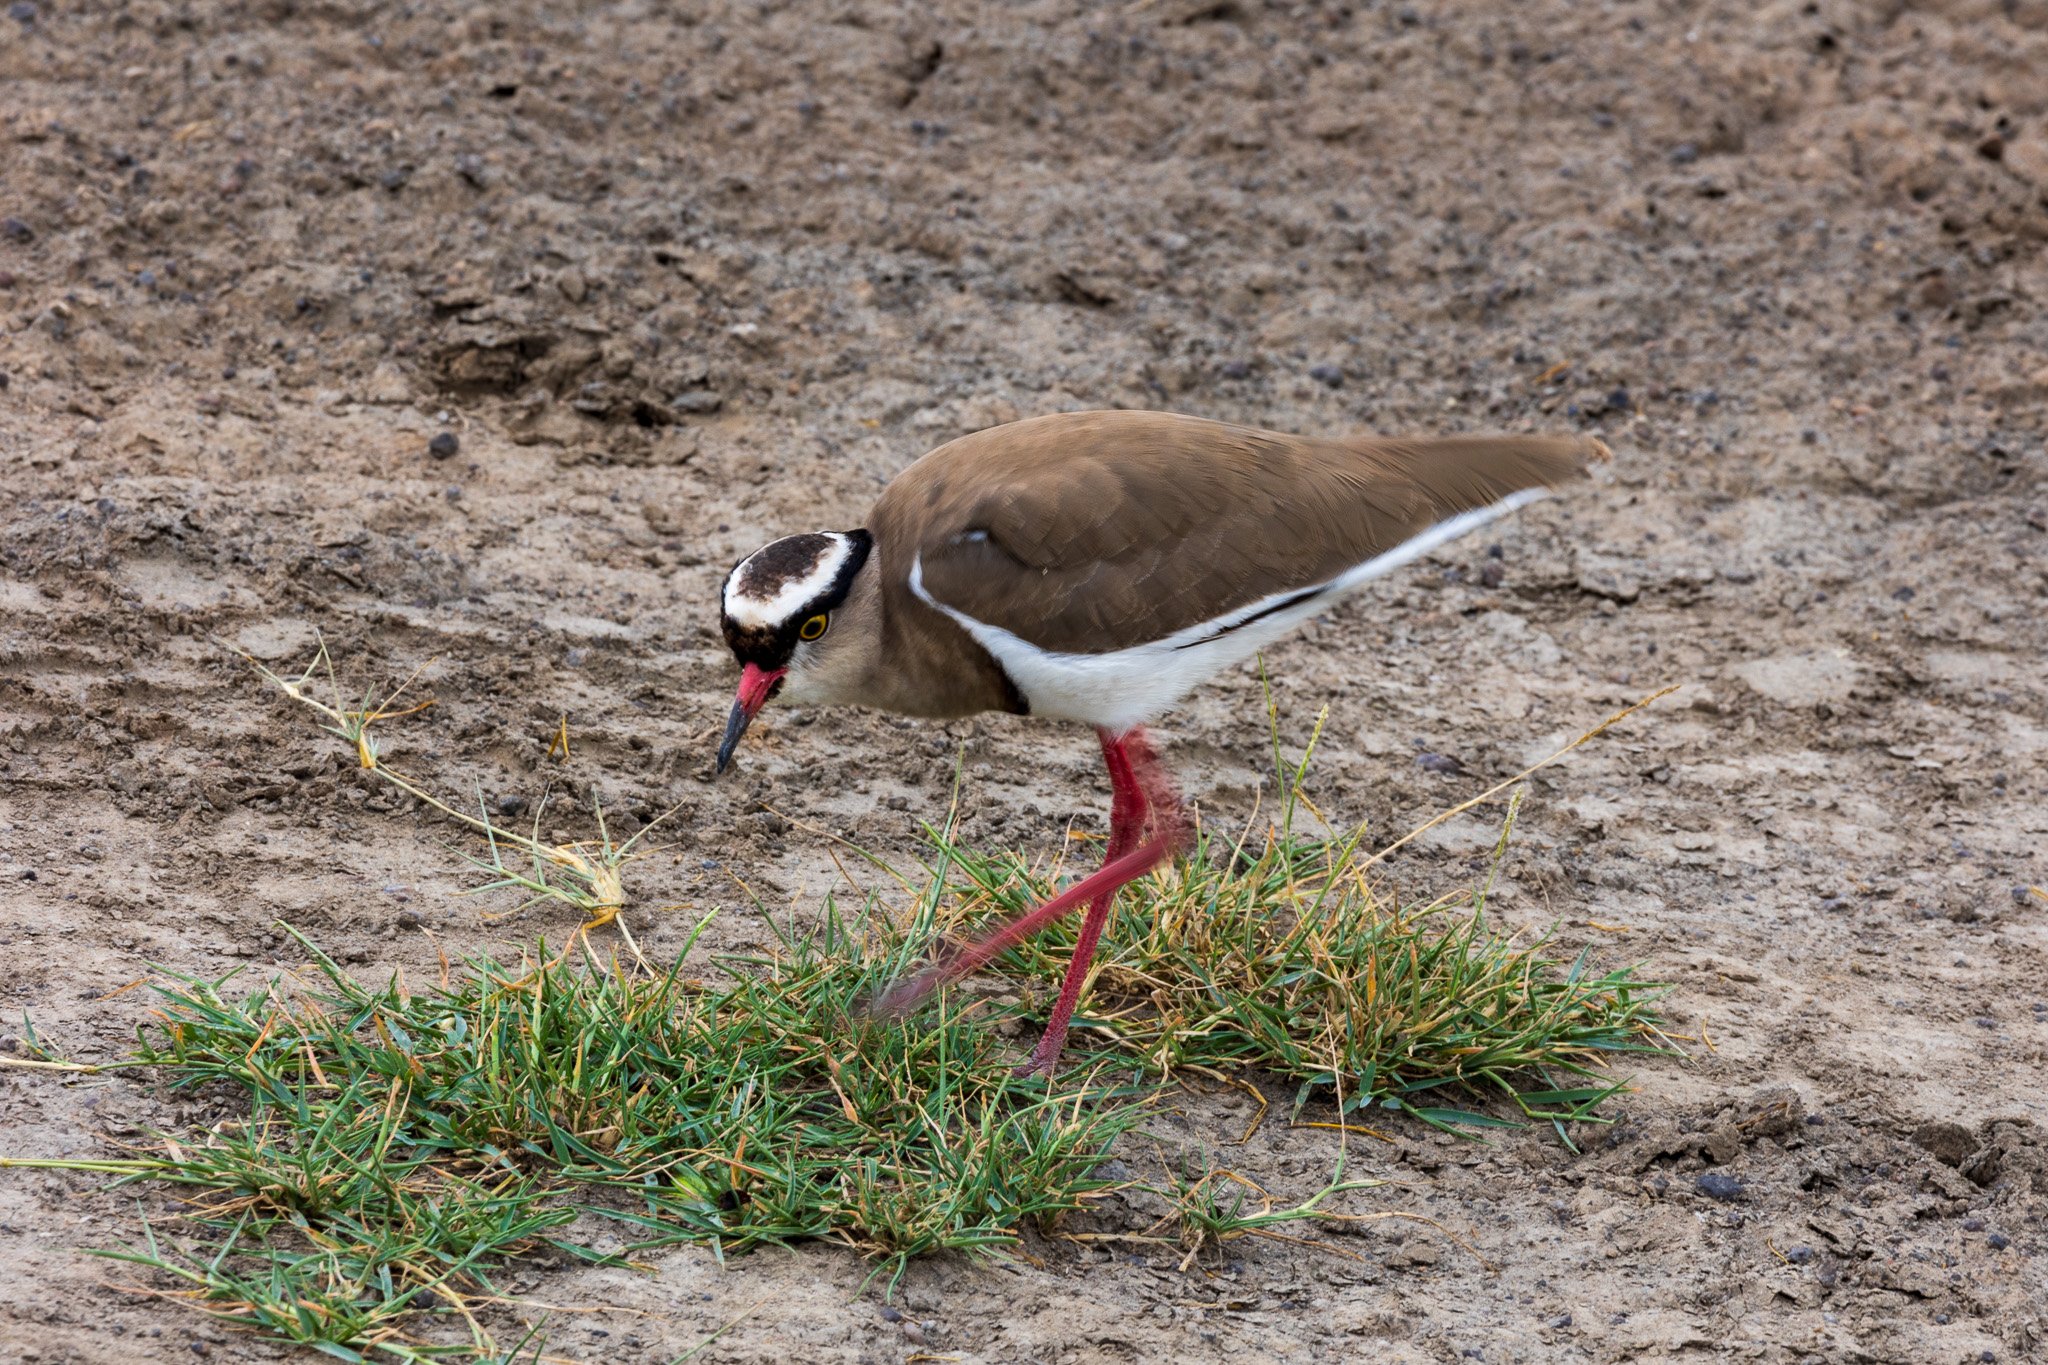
(677,278)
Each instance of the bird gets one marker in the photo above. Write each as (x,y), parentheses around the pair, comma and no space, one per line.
(1095,567)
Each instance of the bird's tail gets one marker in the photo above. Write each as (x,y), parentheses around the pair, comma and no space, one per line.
(1454,474)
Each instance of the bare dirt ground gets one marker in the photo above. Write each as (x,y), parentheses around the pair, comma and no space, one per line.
(678,278)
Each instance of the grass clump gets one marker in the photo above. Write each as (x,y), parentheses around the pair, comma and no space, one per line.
(1288,962)
(399,1147)
(1288,957)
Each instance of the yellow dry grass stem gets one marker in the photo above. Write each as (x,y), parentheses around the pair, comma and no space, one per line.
(593,879)
(1497,788)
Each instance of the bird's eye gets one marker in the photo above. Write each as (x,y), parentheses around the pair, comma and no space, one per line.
(811,629)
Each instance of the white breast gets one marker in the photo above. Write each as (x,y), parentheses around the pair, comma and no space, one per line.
(1128,687)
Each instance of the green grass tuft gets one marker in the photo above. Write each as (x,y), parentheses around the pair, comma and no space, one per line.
(1287,957)
(400,1148)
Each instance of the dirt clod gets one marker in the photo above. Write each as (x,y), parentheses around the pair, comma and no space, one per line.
(1723,1188)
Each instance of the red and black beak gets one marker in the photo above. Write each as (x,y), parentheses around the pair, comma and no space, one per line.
(757,685)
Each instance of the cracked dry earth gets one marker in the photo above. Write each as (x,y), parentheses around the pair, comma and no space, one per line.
(679,277)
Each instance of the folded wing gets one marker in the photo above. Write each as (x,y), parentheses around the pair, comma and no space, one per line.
(1089,532)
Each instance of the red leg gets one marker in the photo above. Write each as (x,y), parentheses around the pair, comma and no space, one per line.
(1127,809)
(1139,788)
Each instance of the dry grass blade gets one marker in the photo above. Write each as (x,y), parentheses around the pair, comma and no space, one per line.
(1212,1208)
(588,874)
(1519,777)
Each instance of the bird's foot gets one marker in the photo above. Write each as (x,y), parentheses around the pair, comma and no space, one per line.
(1044,1059)
(904,996)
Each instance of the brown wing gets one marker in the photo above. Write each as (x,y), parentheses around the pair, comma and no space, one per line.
(1084,532)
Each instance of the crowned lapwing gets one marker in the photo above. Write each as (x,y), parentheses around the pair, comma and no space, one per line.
(1096,566)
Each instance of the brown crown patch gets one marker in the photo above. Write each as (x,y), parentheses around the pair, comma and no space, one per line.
(788,560)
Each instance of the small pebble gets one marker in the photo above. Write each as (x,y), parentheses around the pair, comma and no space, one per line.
(1235,369)
(1684,154)
(1998,1241)
(1904,595)
(1799,1255)
(1715,1185)
(890,1315)
(1327,374)
(1973,1225)
(22,12)
(14,230)
(1492,574)
(1440,763)
(444,446)
(1620,401)
(453,492)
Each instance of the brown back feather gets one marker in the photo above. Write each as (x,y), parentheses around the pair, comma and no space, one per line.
(1105,529)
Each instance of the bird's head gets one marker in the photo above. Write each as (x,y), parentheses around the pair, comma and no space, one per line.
(801,617)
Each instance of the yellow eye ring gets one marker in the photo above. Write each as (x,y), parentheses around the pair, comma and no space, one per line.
(811,629)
